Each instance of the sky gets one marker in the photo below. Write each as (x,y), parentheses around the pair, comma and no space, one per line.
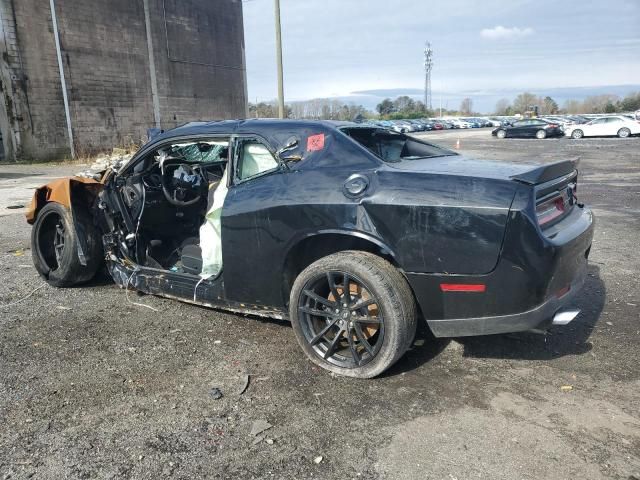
(484,49)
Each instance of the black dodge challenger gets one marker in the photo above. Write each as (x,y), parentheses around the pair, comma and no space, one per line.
(351,232)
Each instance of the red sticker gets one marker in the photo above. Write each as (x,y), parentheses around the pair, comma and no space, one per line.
(315,142)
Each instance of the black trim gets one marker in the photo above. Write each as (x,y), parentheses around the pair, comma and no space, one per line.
(537,318)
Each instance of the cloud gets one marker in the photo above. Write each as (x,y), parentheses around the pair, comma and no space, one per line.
(500,32)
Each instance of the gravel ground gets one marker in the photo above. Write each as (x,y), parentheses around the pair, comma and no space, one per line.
(94,385)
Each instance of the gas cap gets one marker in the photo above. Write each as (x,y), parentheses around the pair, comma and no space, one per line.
(355,185)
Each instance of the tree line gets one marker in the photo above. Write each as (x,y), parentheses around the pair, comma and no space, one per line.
(605,103)
(406,107)
(315,109)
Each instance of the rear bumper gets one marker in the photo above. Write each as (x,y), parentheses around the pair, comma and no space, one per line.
(540,317)
(536,277)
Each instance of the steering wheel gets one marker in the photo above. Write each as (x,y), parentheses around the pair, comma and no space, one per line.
(182,184)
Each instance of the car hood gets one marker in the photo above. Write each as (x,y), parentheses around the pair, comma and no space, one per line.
(531,173)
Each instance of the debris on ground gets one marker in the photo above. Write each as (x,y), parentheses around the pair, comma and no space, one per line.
(215,393)
(14,207)
(318,459)
(259,426)
(115,159)
(566,388)
(244,385)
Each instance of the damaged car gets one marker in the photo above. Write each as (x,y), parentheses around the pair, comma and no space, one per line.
(352,232)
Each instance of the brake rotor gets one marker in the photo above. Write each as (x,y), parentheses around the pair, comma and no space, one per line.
(368,329)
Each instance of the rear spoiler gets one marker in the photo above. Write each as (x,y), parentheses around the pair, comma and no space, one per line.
(544,173)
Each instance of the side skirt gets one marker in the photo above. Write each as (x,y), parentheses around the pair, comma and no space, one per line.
(186,288)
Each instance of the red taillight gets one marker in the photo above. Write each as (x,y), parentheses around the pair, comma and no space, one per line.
(463,287)
(550,210)
(553,125)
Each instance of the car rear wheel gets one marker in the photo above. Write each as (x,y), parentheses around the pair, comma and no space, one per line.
(501,134)
(577,134)
(353,314)
(624,132)
(54,246)
(540,134)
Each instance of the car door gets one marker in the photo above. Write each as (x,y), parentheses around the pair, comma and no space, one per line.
(249,237)
(518,129)
(534,126)
(595,127)
(612,125)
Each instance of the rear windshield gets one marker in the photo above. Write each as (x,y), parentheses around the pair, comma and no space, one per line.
(394,147)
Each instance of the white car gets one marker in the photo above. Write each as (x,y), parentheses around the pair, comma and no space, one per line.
(604,126)
(457,123)
(493,122)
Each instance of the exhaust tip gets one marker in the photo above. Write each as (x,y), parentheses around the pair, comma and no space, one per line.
(564,317)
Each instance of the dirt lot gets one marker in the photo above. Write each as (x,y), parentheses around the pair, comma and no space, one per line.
(94,386)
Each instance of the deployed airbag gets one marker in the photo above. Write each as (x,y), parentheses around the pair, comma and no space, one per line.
(211,232)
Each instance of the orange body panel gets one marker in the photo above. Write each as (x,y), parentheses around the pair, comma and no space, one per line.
(59,191)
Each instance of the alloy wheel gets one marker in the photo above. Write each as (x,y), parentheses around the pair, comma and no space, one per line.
(341,319)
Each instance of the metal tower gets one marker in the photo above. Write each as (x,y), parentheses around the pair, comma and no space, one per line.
(428,65)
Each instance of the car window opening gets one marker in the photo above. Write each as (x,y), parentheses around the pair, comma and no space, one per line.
(394,147)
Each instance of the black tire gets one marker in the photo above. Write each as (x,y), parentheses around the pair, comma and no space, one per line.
(541,134)
(54,226)
(394,306)
(624,132)
(577,133)
(501,134)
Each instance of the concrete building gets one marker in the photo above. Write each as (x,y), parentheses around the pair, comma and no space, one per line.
(127,65)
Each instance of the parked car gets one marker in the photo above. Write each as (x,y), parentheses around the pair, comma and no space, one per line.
(408,125)
(386,124)
(459,123)
(472,122)
(578,119)
(418,125)
(615,125)
(493,122)
(530,128)
(399,127)
(426,126)
(428,123)
(344,229)
(483,122)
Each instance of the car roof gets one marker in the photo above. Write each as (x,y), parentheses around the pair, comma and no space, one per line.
(252,125)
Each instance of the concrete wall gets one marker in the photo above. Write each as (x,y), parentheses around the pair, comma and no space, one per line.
(197,51)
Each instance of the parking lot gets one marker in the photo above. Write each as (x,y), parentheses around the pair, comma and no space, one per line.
(98,383)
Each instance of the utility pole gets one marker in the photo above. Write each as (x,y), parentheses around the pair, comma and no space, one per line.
(279,60)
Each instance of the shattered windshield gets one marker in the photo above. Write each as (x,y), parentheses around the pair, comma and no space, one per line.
(212,151)
(394,147)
